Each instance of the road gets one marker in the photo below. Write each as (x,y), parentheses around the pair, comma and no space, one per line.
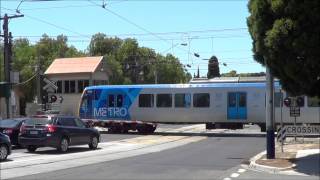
(170,154)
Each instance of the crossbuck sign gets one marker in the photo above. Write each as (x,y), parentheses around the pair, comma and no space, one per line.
(302,130)
(50,86)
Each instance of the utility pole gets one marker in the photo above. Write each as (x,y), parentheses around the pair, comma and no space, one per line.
(7,54)
(269,114)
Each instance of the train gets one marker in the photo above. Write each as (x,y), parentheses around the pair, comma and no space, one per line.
(229,105)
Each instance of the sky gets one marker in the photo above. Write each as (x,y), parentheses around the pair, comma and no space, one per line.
(182,28)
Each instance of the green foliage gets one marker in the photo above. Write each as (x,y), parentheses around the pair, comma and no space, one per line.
(127,63)
(213,67)
(233,73)
(27,56)
(286,37)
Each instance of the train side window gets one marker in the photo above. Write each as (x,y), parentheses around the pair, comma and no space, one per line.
(232,99)
(182,100)
(242,99)
(119,100)
(201,100)
(277,99)
(146,100)
(164,100)
(111,100)
(313,102)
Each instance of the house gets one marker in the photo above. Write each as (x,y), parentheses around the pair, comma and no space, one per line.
(71,76)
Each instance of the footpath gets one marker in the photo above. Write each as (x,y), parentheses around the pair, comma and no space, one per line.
(301,157)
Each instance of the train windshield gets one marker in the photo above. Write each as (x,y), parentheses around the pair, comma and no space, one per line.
(86,104)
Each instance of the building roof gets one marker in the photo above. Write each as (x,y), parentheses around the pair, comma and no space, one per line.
(74,65)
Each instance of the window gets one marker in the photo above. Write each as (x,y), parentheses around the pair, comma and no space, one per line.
(72,86)
(59,85)
(85,83)
(201,100)
(242,100)
(164,100)
(278,98)
(146,100)
(182,100)
(66,122)
(82,84)
(232,99)
(119,100)
(313,102)
(66,86)
(111,100)
(79,123)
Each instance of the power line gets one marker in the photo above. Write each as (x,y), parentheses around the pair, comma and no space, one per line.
(56,7)
(136,25)
(51,24)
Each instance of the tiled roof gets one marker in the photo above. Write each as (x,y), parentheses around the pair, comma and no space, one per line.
(74,65)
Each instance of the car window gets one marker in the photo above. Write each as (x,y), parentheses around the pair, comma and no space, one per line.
(9,123)
(79,123)
(37,121)
(66,122)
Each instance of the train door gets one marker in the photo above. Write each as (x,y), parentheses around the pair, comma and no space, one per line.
(237,105)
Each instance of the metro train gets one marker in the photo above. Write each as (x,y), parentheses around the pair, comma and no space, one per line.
(121,108)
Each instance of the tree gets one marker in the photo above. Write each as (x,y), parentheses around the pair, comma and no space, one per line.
(232,73)
(213,67)
(286,37)
(27,56)
(128,63)
(101,45)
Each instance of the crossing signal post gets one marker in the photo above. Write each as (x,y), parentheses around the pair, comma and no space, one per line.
(270,115)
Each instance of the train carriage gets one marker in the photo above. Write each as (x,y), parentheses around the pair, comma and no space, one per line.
(224,105)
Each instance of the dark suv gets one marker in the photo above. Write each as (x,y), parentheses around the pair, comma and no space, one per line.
(57,131)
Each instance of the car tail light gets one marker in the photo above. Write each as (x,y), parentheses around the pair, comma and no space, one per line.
(7,131)
(22,129)
(51,128)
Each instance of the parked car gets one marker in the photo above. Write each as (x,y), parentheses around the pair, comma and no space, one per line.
(57,131)
(11,127)
(5,147)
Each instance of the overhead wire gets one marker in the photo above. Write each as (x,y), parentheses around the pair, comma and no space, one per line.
(136,25)
(48,23)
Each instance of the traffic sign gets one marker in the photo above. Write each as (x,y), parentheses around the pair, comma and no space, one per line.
(50,86)
(294,111)
(302,130)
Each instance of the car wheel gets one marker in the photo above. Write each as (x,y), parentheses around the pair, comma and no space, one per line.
(93,143)
(3,152)
(31,148)
(64,144)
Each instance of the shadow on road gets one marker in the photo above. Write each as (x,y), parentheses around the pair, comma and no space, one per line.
(71,150)
(309,165)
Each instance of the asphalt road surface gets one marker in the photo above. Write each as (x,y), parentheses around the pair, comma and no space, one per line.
(172,153)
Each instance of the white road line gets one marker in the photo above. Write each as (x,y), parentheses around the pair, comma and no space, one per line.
(227,178)
(241,170)
(234,175)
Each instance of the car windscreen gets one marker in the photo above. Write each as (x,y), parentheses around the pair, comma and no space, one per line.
(37,121)
(9,123)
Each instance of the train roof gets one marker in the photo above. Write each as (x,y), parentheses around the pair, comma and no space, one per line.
(215,85)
